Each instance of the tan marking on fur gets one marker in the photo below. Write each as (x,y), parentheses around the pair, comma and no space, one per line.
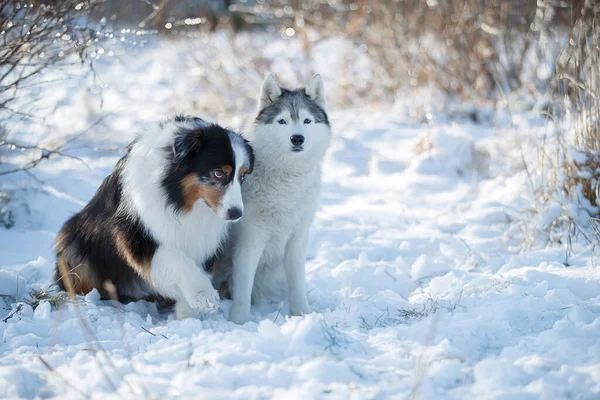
(162,302)
(59,242)
(111,290)
(77,280)
(141,266)
(243,170)
(227,169)
(193,190)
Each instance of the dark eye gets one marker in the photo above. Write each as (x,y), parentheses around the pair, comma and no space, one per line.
(218,173)
(282,121)
(307,121)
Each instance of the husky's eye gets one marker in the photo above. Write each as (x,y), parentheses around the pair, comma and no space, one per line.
(282,121)
(218,173)
(307,121)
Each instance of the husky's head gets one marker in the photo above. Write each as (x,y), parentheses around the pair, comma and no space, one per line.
(292,122)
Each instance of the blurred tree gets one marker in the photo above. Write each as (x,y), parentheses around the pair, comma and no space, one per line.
(38,35)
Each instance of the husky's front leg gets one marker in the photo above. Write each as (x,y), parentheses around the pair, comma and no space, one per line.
(293,263)
(245,257)
(177,276)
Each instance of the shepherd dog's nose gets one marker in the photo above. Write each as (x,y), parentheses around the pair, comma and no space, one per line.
(234,213)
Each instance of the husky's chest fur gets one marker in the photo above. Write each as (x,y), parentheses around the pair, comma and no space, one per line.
(278,201)
(281,198)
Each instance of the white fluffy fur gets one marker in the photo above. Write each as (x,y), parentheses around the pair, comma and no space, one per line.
(316,91)
(185,239)
(269,243)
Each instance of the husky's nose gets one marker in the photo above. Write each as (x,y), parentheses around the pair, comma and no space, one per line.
(297,140)
(234,213)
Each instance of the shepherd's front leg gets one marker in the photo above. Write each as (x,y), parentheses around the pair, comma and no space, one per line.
(177,276)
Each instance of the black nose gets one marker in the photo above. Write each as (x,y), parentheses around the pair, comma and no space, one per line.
(234,213)
(297,140)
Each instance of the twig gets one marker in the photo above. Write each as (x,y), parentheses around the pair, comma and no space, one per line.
(576,225)
(72,139)
(46,153)
(18,308)
(152,333)
(113,295)
(391,276)
(594,223)
(277,316)
(62,378)
(44,156)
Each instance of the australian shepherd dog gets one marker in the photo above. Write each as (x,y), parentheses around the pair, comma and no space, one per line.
(157,222)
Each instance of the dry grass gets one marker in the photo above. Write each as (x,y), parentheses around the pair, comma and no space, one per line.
(36,36)
(568,190)
(577,99)
(423,145)
(581,175)
(7,218)
(416,314)
(56,299)
(472,49)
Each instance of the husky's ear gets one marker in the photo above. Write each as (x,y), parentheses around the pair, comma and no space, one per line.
(316,91)
(186,142)
(269,92)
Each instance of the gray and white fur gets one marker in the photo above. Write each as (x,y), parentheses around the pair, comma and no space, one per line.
(289,134)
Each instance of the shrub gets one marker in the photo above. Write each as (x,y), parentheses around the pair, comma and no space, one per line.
(35,36)
(577,100)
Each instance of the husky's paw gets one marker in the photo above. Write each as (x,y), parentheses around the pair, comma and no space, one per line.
(239,315)
(205,301)
(301,310)
(300,313)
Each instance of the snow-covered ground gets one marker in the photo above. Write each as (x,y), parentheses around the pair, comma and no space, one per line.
(416,272)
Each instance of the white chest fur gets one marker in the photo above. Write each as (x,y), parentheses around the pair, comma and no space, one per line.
(279,200)
(197,233)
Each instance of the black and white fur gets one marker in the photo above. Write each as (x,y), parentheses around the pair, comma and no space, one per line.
(289,134)
(157,222)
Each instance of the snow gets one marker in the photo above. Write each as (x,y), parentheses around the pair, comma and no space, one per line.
(419,279)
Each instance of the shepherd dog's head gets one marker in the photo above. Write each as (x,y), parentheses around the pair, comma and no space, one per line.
(206,163)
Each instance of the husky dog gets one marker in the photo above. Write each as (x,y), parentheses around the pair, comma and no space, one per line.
(289,135)
(159,219)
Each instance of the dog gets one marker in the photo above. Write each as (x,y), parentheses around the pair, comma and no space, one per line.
(290,134)
(157,222)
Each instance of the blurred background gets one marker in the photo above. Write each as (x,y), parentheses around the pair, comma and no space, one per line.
(479,60)
(462,177)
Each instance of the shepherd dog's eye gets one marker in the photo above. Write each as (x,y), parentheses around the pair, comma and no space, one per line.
(307,121)
(218,173)
(281,121)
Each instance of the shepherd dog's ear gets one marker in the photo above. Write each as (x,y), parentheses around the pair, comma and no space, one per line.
(186,142)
